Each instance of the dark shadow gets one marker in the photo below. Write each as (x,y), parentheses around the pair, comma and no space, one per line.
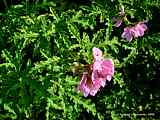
(154,23)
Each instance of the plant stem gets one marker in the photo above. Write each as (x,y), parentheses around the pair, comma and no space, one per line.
(5,3)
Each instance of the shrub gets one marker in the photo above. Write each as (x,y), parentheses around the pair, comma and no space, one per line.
(41,42)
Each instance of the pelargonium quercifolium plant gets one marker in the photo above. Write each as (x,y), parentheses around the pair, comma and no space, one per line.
(38,50)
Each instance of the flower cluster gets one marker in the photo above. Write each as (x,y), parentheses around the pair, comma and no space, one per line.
(134,32)
(100,71)
(129,32)
(103,69)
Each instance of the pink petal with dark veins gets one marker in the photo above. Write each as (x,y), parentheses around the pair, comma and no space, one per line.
(127,34)
(83,85)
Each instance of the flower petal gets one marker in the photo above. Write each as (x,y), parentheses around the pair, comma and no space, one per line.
(97,53)
(117,21)
(83,85)
(109,77)
(102,73)
(94,90)
(127,34)
(107,67)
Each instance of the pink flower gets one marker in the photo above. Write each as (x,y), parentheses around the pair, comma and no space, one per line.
(100,71)
(135,31)
(139,29)
(128,34)
(117,21)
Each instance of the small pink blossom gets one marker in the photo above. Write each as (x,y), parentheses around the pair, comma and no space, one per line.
(100,71)
(117,21)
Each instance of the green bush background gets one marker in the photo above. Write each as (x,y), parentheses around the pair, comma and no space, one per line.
(40,41)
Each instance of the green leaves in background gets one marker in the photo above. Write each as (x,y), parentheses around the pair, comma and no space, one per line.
(41,41)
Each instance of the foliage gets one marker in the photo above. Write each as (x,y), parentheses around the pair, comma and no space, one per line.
(41,41)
